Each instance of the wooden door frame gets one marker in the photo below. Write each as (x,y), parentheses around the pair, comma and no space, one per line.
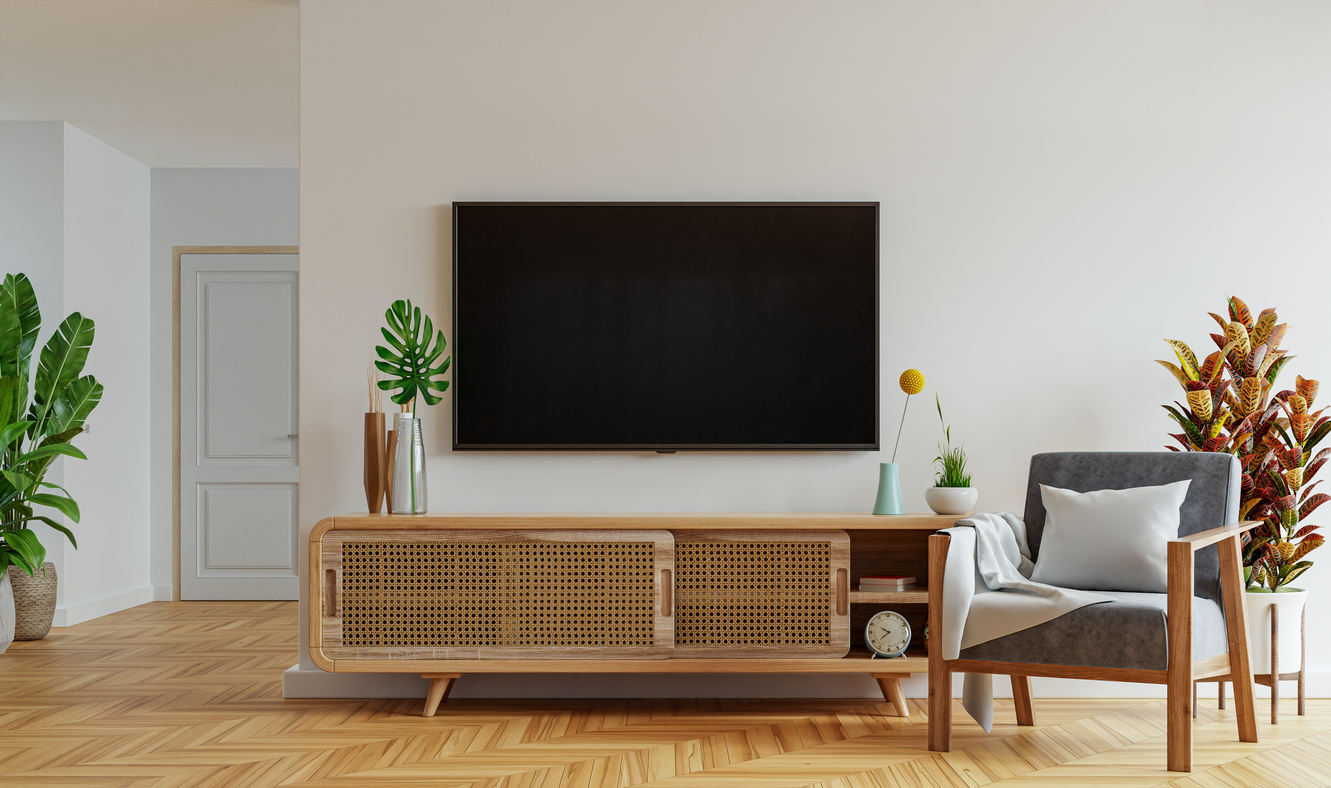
(176,252)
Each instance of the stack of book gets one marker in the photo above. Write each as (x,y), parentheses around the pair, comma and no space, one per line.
(887,583)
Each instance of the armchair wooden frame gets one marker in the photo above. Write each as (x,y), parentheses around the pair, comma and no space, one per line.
(1178,678)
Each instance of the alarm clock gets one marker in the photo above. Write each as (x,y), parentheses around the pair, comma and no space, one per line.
(887,634)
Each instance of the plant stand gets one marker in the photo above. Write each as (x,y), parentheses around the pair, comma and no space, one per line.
(1269,679)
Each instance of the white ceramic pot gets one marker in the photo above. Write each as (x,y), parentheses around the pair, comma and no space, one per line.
(952,500)
(7,618)
(1289,606)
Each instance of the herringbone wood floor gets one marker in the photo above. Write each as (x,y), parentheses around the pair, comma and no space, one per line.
(176,694)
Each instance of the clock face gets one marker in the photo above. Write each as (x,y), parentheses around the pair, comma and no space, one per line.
(887,633)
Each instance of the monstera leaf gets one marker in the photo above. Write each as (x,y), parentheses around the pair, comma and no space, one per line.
(408,362)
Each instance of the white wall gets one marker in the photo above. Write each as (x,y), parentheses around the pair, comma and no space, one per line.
(201,207)
(74,218)
(32,242)
(1062,186)
(106,278)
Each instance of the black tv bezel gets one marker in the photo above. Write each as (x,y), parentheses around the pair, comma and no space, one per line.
(670,448)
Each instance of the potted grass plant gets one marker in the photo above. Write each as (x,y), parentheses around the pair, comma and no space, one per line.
(1232,407)
(952,492)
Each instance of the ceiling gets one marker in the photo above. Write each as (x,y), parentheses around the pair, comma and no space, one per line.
(172,83)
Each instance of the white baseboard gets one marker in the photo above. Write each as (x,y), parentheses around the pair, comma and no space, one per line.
(314,683)
(87,611)
(161,593)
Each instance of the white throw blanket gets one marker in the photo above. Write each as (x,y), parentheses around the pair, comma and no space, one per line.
(987,594)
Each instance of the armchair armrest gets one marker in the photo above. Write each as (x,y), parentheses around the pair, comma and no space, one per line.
(1198,541)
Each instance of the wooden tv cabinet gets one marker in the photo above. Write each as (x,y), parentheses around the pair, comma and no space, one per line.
(444,595)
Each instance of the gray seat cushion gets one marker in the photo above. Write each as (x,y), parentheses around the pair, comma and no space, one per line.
(1128,633)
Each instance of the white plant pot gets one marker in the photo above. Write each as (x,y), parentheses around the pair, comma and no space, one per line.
(1289,606)
(7,618)
(951,500)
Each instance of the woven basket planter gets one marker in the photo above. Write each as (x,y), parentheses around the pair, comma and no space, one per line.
(34,602)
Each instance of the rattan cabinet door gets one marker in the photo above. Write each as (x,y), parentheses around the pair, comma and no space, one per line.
(762,593)
(451,595)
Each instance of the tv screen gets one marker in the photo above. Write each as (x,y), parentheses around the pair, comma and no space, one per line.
(665,326)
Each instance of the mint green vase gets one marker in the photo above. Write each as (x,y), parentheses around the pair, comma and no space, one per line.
(889,490)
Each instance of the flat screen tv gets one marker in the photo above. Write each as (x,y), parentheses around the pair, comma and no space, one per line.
(665,326)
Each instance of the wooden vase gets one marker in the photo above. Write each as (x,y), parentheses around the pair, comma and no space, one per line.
(390,446)
(374,462)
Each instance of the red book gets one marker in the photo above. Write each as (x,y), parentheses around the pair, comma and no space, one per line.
(887,580)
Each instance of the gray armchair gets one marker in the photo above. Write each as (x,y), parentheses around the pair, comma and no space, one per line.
(1197,630)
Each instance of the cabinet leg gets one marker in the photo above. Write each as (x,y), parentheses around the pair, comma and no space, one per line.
(1021,695)
(890,684)
(1222,694)
(440,685)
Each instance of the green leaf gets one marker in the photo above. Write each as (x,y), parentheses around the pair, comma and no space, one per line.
(26,544)
(20,481)
(9,395)
(11,557)
(389,356)
(410,371)
(392,340)
(18,299)
(52,486)
(62,360)
(1274,371)
(51,450)
(11,431)
(65,506)
(1317,435)
(72,406)
(61,528)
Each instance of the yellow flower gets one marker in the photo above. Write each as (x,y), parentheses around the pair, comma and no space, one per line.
(912,381)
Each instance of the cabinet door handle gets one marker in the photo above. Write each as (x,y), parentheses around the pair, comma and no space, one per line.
(667,594)
(330,593)
(842,591)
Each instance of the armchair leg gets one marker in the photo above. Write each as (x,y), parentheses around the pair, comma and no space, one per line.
(1021,694)
(940,674)
(1236,626)
(940,709)
(1179,679)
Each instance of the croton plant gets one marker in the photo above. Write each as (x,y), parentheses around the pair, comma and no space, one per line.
(1230,408)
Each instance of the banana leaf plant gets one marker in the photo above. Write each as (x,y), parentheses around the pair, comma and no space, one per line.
(1230,408)
(409,361)
(37,426)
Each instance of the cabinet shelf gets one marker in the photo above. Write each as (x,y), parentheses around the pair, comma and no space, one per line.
(916,596)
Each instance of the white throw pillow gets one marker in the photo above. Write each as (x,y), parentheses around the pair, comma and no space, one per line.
(1109,540)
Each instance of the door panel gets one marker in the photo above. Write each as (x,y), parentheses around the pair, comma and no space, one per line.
(247,526)
(248,368)
(239,452)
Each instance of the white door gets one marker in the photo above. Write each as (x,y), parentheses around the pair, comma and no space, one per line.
(238,444)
